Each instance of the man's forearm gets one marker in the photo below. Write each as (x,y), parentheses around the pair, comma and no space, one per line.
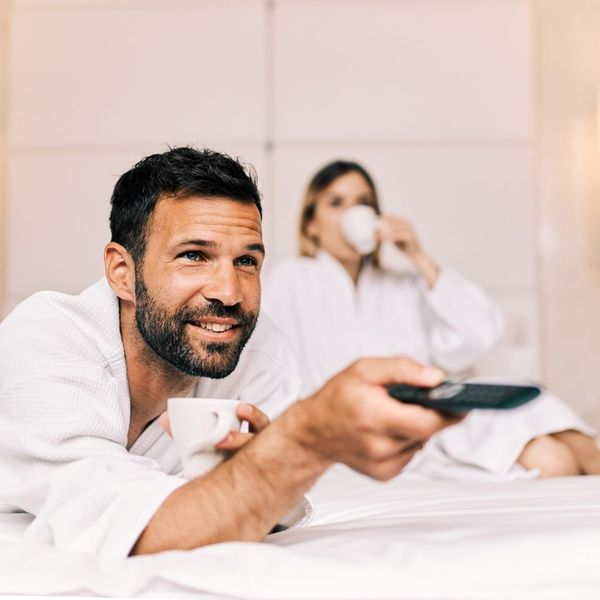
(243,498)
(351,419)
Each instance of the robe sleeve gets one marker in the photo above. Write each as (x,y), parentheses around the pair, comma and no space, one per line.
(63,436)
(462,322)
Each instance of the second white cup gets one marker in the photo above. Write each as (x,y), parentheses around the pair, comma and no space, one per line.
(359,225)
(197,424)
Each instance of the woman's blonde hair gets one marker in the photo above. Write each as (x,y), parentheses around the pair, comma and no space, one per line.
(321,180)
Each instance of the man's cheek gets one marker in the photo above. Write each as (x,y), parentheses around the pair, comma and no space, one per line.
(252,296)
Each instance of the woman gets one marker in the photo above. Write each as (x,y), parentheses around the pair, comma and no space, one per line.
(336,305)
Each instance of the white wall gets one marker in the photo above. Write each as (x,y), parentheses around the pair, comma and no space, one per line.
(95,86)
(452,104)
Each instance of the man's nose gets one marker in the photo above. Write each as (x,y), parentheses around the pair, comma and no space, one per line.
(224,286)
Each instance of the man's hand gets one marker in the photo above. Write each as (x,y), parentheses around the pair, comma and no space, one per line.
(257,420)
(353,420)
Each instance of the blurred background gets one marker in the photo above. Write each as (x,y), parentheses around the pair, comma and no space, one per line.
(479,120)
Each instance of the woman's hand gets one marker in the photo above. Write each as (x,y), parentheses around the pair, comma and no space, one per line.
(402,233)
(235,439)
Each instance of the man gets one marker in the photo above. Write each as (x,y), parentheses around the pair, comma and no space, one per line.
(83,380)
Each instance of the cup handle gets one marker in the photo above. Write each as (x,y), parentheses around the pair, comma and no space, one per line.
(225,419)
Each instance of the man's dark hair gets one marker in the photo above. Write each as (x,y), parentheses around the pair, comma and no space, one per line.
(179,173)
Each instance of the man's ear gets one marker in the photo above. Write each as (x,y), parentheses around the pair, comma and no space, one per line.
(120,271)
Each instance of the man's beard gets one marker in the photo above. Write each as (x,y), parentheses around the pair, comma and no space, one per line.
(164,332)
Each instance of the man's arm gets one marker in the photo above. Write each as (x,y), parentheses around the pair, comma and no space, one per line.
(351,419)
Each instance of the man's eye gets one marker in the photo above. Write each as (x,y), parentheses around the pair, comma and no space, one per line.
(365,202)
(336,202)
(246,261)
(191,255)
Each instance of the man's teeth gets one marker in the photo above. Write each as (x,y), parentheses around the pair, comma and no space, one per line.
(218,327)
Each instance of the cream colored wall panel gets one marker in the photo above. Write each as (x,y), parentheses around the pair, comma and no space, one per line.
(419,70)
(137,72)
(569,184)
(570,223)
(569,74)
(472,206)
(4,47)
(58,216)
(572,335)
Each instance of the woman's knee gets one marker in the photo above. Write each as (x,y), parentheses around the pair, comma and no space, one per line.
(552,457)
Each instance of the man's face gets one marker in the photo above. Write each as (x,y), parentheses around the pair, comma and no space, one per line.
(198,290)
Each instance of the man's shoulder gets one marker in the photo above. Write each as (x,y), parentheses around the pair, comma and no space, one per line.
(49,323)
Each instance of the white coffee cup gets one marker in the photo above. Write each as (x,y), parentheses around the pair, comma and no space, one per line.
(359,225)
(197,424)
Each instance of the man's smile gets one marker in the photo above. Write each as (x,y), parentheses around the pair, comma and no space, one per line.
(216,328)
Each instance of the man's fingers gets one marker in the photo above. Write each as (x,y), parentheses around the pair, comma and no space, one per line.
(380,448)
(257,419)
(383,470)
(396,369)
(166,424)
(410,420)
(234,440)
(388,416)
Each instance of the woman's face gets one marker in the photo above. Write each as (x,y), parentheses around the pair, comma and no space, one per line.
(345,191)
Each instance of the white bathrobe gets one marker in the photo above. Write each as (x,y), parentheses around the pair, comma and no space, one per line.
(64,419)
(330,322)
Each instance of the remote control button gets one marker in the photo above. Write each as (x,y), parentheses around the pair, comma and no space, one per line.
(446,391)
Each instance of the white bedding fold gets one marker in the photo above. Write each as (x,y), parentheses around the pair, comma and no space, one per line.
(404,539)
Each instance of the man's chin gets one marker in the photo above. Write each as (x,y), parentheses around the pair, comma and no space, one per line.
(211,370)
(216,360)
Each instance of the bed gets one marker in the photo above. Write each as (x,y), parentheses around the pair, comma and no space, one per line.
(405,539)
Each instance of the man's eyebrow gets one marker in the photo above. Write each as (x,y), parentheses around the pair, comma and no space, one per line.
(256,248)
(203,243)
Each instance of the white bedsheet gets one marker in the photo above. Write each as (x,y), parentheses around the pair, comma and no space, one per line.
(406,539)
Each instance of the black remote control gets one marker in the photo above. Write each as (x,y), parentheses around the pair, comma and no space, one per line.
(458,398)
